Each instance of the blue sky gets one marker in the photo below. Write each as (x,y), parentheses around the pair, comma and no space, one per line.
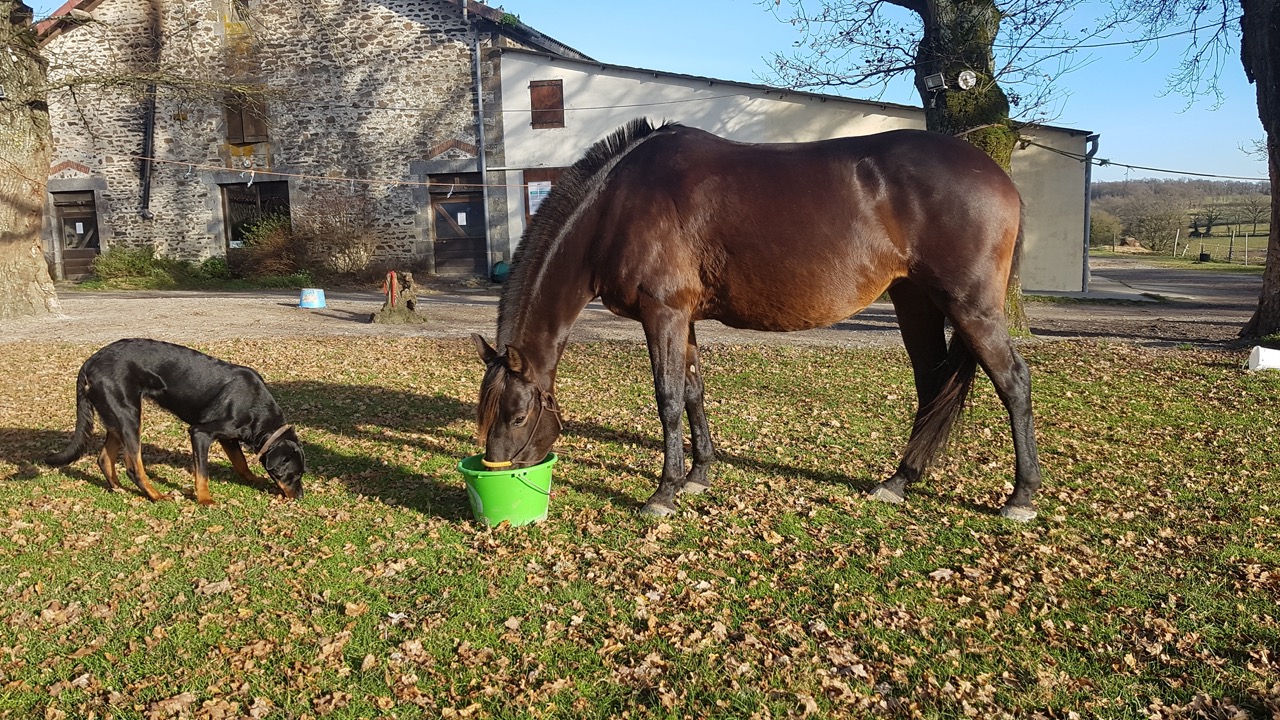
(1115,94)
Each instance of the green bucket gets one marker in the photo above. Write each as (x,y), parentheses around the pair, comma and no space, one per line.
(518,495)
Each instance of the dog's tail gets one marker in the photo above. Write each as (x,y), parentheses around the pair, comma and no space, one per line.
(84,426)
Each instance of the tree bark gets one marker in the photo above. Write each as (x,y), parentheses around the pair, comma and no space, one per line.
(25,149)
(1260,53)
(958,36)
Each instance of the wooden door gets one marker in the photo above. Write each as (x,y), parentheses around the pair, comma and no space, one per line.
(77,233)
(459,234)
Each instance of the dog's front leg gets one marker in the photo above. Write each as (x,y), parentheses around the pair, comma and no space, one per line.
(200,442)
(238,461)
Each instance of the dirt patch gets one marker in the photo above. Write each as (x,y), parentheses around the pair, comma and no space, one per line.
(1200,308)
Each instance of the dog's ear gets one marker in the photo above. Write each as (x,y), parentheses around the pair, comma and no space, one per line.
(483,348)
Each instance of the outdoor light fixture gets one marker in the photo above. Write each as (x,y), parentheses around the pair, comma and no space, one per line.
(967,79)
(934,82)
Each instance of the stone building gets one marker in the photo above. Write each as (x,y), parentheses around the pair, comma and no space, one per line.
(177,122)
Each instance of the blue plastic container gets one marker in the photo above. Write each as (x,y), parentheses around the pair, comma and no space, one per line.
(311,298)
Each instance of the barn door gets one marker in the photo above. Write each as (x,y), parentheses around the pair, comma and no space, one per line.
(459,234)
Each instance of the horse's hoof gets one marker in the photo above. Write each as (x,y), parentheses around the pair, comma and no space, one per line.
(1017,513)
(694,488)
(884,494)
(654,509)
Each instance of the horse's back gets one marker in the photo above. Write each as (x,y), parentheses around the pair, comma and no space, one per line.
(796,235)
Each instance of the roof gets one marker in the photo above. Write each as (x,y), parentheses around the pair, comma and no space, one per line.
(512,25)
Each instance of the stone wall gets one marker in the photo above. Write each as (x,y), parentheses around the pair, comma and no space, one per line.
(354,92)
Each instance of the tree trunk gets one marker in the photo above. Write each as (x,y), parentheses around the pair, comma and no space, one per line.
(25,149)
(1260,53)
(958,36)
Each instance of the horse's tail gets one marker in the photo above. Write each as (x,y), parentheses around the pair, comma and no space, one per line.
(932,428)
(1015,268)
(84,426)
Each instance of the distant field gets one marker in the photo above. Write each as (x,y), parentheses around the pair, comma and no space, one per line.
(1245,248)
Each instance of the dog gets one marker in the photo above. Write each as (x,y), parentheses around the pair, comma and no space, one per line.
(218,400)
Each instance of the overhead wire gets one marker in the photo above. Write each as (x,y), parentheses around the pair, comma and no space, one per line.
(1098,162)
(1103,162)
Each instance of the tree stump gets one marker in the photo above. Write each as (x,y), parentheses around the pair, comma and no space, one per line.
(401,307)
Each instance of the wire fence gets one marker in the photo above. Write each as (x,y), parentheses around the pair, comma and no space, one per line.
(1244,248)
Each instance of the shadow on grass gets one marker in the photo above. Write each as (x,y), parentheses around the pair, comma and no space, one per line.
(167,469)
(426,425)
(861,482)
(423,423)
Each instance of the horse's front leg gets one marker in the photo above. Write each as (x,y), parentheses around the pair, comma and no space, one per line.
(704,452)
(667,333)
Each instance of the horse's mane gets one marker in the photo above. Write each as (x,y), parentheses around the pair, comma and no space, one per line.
(558,209)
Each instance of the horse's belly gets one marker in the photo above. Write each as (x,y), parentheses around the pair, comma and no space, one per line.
(790,316)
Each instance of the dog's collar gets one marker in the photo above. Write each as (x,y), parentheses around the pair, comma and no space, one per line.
(271,440)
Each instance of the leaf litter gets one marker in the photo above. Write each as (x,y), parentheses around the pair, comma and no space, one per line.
(1147,589)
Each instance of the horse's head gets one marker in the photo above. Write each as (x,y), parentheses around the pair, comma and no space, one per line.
(518,417)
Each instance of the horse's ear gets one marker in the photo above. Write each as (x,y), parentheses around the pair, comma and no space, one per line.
(485,350)
(515,361)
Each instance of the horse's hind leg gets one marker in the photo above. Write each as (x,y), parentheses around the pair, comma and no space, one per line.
(704,452)
(988,337)
(921,323)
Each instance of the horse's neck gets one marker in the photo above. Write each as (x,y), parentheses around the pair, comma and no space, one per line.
(547,313)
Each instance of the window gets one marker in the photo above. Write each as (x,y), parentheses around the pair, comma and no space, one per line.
(244,205)
(546,100)
(246,119)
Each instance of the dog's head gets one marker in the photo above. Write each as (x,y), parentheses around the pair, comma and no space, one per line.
(285,464)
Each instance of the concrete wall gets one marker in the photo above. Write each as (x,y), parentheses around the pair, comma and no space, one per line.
(599,99)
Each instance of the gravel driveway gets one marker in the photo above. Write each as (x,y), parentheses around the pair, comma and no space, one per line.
(1200,307)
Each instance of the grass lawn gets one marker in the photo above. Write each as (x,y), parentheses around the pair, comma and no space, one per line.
(1148,586)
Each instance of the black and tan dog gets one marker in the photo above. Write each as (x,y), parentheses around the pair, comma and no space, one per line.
(220,401)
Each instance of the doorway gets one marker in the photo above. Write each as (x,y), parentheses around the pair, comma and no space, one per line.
(459,225)
(76,232)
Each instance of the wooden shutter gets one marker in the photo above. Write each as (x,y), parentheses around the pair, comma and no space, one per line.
(235,120)
(546,100)
(254,116)
(246,120)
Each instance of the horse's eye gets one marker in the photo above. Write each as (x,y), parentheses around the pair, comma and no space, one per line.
(520,420)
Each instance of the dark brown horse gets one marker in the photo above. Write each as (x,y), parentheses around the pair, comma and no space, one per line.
(672,225)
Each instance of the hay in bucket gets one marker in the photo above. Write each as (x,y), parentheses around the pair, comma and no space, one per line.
(517,495)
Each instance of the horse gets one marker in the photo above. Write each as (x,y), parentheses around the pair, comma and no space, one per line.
(670,225)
